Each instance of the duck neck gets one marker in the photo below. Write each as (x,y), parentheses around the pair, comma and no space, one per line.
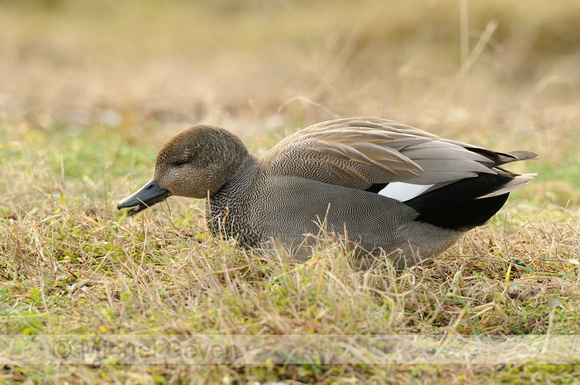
(225,209)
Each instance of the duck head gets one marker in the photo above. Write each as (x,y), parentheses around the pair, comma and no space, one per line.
(195,163)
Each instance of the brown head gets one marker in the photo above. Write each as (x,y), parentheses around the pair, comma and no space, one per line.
(195,163)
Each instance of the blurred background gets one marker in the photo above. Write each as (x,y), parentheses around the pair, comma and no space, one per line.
(491,72)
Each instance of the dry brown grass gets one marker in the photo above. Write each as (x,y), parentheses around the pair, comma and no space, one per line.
(85,105)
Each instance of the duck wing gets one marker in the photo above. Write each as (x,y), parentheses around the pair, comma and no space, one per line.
(371,153)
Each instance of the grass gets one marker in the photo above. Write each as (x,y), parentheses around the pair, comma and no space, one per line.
(85,109)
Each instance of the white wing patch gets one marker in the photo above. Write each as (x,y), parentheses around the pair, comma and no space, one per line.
(403,191)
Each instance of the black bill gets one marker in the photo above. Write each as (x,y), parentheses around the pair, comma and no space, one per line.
(149,195)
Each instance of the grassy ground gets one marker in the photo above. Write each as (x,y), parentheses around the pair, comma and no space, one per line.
(89,91)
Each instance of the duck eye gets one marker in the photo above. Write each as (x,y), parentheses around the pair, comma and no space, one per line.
(179,162)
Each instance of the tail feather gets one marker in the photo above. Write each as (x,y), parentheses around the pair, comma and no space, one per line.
(500,158)
(517,182)
(523,155)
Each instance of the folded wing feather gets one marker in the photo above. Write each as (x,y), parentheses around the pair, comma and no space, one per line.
(361,152)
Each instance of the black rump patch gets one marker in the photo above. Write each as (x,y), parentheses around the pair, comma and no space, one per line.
(376,188)
(456,206)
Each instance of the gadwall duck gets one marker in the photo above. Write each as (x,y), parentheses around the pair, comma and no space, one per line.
(381,185)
